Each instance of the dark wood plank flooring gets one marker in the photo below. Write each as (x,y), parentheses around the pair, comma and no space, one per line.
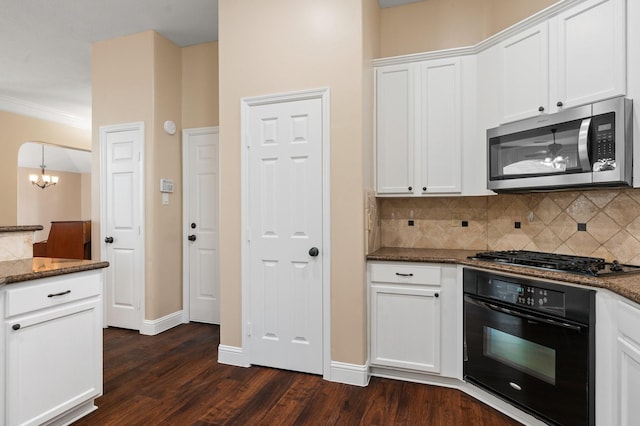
(174,379)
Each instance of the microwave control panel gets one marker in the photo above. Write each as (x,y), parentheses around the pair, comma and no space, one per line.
(603,137)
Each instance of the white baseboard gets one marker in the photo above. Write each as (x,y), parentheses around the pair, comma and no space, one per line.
(232,355)
(157,326)
(350,374)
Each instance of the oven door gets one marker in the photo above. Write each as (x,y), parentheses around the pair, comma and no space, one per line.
(535,361)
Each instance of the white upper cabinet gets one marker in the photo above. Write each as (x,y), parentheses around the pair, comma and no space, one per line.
(589,53)
(418,128)
(440,126)
(395,128)
(525,67)
(574,58)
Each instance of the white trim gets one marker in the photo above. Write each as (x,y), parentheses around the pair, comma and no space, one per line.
(246,104)
(104,130)
(503,35)
(186,134)
(350,374)
(232,355)
(42,112)
(157,326)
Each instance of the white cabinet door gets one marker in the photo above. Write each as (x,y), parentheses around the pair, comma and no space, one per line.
(53,361)
(405,327)
(590,60)
(628,382)
(440,126)
(395,129)
(525,63)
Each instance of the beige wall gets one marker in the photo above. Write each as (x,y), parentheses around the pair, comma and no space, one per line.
(200,85)
(38,206)
(443,24)
(85,197)
(301,45)
(17,129)
(138,78)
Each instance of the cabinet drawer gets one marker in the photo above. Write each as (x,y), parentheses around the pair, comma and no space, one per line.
(43,293)
(405,274)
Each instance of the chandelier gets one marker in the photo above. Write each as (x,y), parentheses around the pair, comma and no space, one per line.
(44,180)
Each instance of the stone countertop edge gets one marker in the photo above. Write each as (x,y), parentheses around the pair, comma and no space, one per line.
(626,285)
(21,228)
(16,271)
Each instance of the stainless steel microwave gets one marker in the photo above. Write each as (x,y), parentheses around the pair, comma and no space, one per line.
(586,146)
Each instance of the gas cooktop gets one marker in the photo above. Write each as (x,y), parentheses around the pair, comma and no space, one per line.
(593,266)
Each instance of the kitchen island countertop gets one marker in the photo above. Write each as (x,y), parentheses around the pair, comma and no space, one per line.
(14,271)
(626,285)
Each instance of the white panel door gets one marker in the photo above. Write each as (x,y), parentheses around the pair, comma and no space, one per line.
(201,224)
(285,220)
(439,158)
(122,206)
(591,53)
(525,62)
(395,132)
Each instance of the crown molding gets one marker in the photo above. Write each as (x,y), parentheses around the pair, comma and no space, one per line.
(42,112)
(503,35)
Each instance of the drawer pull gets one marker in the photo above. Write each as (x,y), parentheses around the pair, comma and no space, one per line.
(59,294)
(403,275)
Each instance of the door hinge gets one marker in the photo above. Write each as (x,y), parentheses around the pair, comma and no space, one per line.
(249,329)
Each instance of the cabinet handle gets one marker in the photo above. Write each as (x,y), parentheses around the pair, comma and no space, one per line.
(559,104)
(411,188)
(62,293)
(403,275)
(540,108)
(436,295)
(16,326)
(424,188)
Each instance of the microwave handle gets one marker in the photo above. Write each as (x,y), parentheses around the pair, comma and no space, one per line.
(583,145)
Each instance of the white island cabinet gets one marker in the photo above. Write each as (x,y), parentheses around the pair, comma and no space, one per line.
(52,348)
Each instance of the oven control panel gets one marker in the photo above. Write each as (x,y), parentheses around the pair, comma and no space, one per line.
(523,295)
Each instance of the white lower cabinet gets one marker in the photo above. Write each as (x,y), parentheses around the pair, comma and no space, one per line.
(412,318)
(53,349)
(617,360)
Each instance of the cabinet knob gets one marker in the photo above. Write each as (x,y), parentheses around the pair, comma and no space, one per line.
(16,326)
(436,295)
(411,188)
(313,251)
(540,108)
(424,188)
(559,104)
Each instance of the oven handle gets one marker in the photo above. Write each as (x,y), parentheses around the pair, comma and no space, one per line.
(583,145)
(523,315)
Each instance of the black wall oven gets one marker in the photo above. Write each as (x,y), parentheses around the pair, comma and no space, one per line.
(531,343)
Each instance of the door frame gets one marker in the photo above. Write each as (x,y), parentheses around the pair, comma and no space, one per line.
(245,107)
(140,288)
(186,283)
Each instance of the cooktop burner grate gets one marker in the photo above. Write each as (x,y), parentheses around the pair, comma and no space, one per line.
(561,262)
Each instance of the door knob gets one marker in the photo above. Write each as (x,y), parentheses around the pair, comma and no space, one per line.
(108,240)
(313,251)
(191,237)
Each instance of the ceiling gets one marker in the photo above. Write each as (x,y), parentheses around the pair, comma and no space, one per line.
(56,158)
(45,70)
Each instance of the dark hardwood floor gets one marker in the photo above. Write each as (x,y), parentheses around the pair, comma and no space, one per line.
(174,379)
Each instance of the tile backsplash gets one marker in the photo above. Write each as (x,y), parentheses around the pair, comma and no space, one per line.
(16,245)
(602,223)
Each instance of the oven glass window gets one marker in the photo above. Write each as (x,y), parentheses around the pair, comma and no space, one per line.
(531,358)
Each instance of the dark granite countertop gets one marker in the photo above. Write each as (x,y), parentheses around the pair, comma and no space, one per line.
(21,228)
(14,271)
(626,285)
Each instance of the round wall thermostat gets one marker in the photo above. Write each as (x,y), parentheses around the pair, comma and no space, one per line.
(170,127)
